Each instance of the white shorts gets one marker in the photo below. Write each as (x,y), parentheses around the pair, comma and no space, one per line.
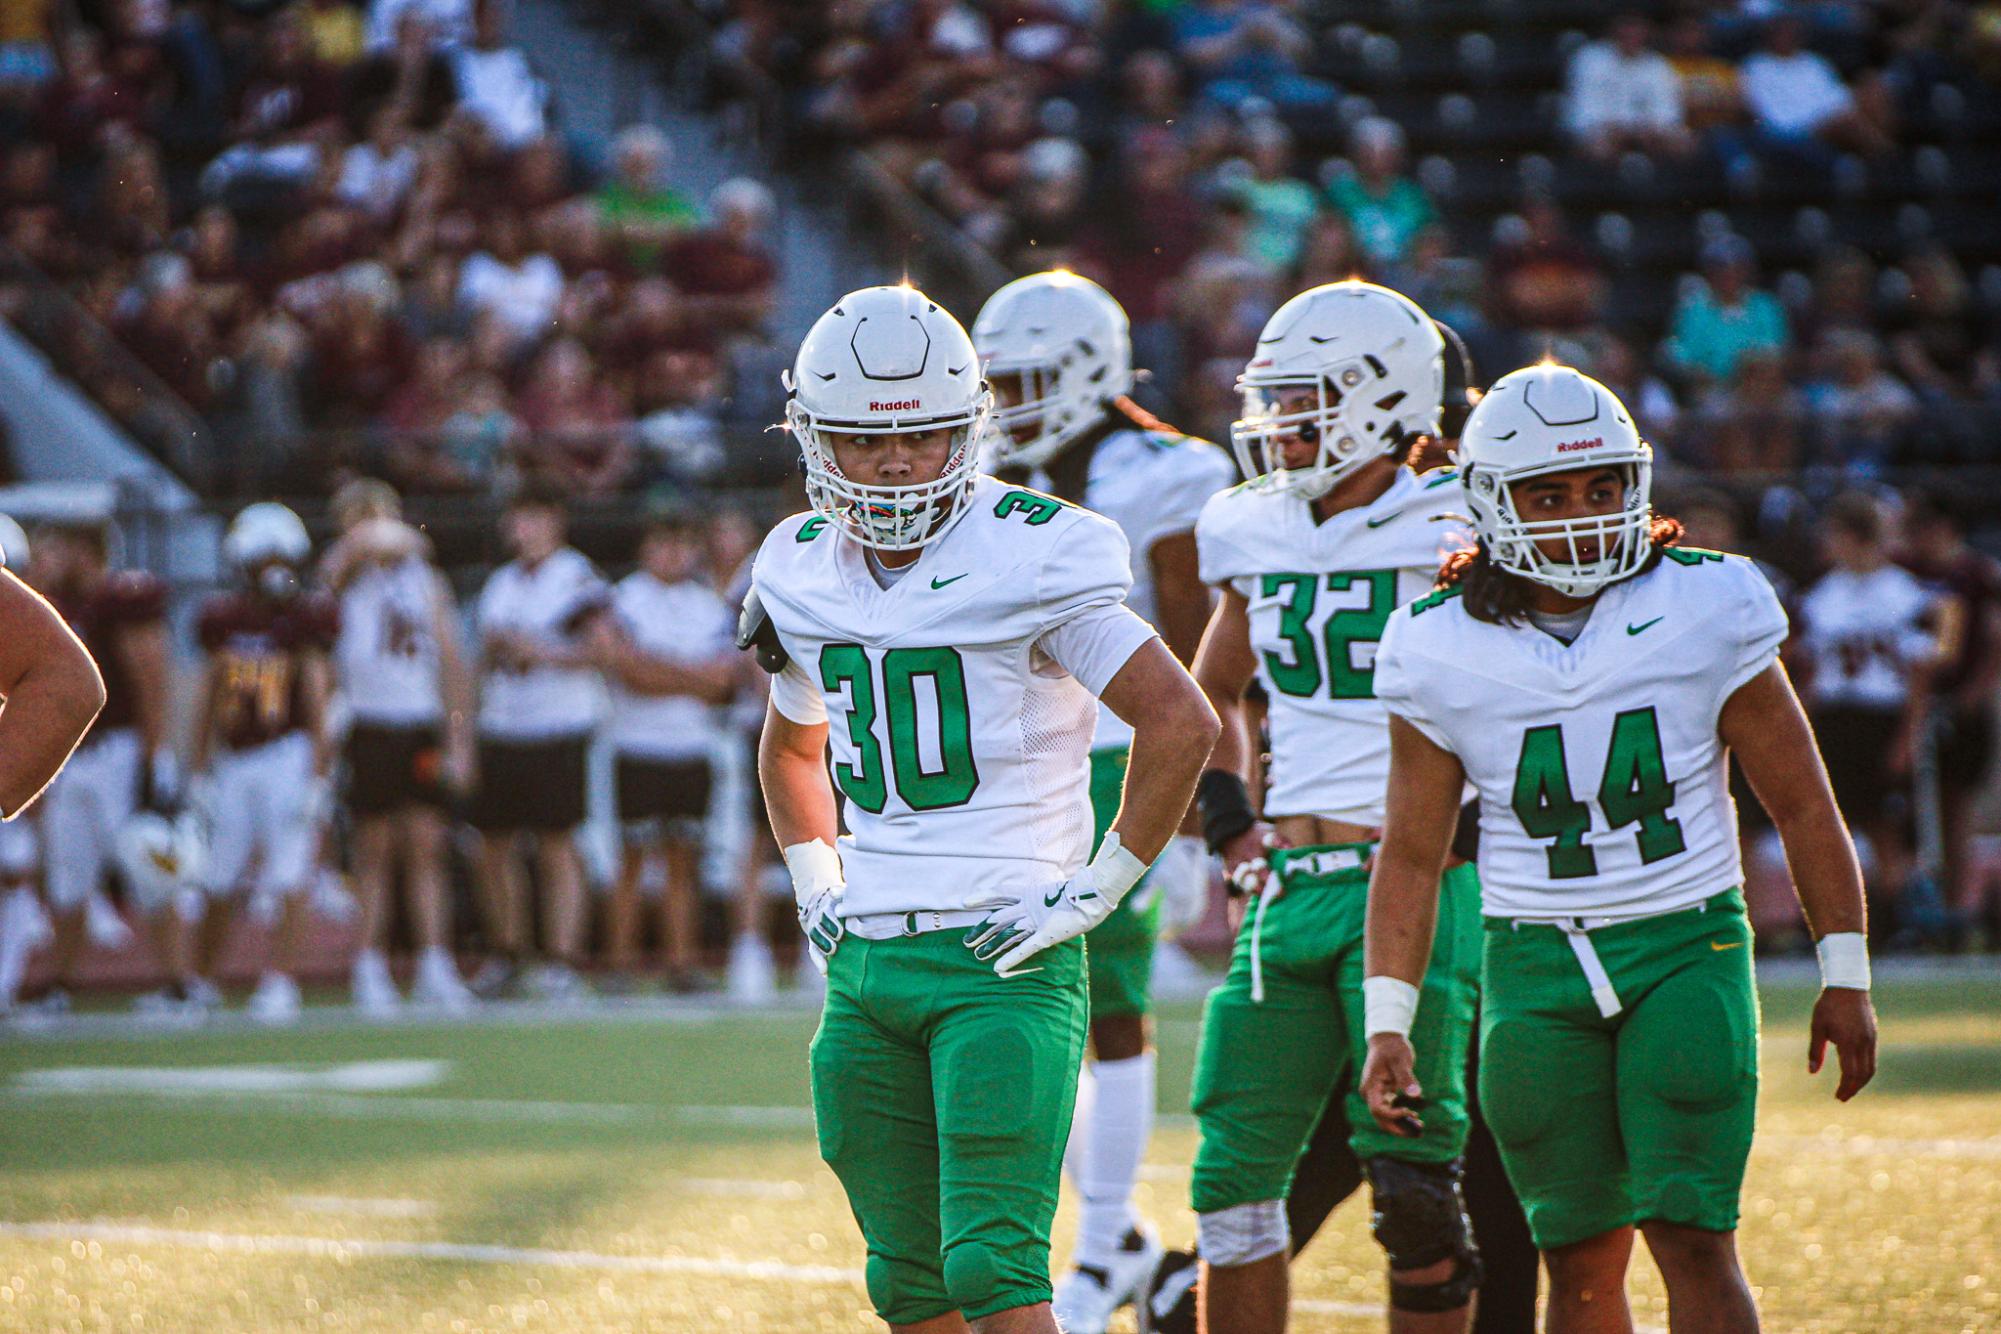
(264,812)
(90,801)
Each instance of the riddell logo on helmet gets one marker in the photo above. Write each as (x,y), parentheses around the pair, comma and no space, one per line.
(1572,446)
(895,405)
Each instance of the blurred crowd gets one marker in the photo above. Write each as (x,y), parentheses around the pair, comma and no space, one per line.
(1174,150)
(358,237)
(551,778)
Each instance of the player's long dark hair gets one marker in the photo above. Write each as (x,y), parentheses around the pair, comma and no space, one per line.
(1499,597)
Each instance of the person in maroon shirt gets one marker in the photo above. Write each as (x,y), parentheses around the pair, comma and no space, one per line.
(261,741)
(1963,684)
(125,759)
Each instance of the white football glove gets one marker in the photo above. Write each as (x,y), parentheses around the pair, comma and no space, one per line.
(1016,932)
(1182,874)
(818,884)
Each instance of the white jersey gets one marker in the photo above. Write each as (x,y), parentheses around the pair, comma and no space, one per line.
(1153,485)
(386,658)
(1318,596)
(550,603)
(961,697)
(1604,788)
(1863,632)
(685,623)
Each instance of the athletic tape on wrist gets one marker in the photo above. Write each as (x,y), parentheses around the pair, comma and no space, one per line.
(1844,960)
(1114,869)
(1389,1005)
(813,866)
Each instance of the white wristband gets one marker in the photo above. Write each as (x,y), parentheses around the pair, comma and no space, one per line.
(814,866)
(1114,869)
(1844,960)
(1389,1004)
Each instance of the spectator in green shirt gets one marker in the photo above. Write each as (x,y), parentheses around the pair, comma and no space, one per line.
(1385,208)
(1724,319)
(635,205)
(1282,206)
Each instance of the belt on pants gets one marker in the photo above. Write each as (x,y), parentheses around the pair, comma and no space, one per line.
(1577,930)
(888,925)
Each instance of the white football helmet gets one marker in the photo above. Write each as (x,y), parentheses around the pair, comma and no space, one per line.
(14,550)
(1374,363)
(1546,419)
(887,361)
(1070,344)
(264,532)
(160,857)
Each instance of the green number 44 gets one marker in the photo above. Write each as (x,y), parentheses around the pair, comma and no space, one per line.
(1635,790)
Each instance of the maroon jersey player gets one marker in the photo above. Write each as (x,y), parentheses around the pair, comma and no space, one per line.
(261,740)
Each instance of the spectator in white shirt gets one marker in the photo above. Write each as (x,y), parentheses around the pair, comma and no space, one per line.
(669,653)
(537,620)
(497,87)
(451,21)
(1800,102)
(519,289)
(1625,96)
(376,175)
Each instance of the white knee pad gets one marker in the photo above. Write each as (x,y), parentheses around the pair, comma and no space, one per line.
(1243,1233)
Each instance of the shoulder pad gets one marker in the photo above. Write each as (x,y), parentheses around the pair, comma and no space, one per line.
(755,631)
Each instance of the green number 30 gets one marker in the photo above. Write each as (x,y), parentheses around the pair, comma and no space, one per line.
(846,667)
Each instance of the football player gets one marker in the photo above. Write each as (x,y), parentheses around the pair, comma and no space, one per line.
(538,704)
(1330,535)
(1058,355)
(408,700)
(120,615)
(946,633)
(1590,678)
(261,745)
(666,651)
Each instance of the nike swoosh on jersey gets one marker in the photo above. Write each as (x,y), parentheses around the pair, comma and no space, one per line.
(1720,946)
(1377,523)
(1636,629)
(940,583)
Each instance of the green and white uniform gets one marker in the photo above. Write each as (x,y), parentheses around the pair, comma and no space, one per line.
(1285,1028)
(1619,1032)
(961,703)
(1153,485)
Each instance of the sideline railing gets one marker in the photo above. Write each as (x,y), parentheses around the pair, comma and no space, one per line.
(106,370)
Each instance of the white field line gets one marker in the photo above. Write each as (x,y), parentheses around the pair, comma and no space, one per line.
(347,1248)
(362,1206)
(744,1187)
(355,1107)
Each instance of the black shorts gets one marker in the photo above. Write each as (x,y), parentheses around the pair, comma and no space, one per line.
(1856,745)
(651,791)
(389,768)
(1966,750)
(535,785)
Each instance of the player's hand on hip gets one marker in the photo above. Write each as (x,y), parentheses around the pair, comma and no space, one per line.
(1389,1085)
(1846,1017)
(817,886)
(1016,932)
(1247,868)
(1180,875)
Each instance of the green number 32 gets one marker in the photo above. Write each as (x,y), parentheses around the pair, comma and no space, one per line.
(1634,790)
(847,668)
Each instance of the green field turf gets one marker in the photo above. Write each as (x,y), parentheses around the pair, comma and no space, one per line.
(650,1172)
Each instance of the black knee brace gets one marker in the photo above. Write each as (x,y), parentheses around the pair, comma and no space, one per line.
(1419,1220)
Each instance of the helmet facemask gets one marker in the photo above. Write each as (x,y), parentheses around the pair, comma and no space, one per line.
(891,518)
(1342,443)
(1623,538)
(1034,429)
